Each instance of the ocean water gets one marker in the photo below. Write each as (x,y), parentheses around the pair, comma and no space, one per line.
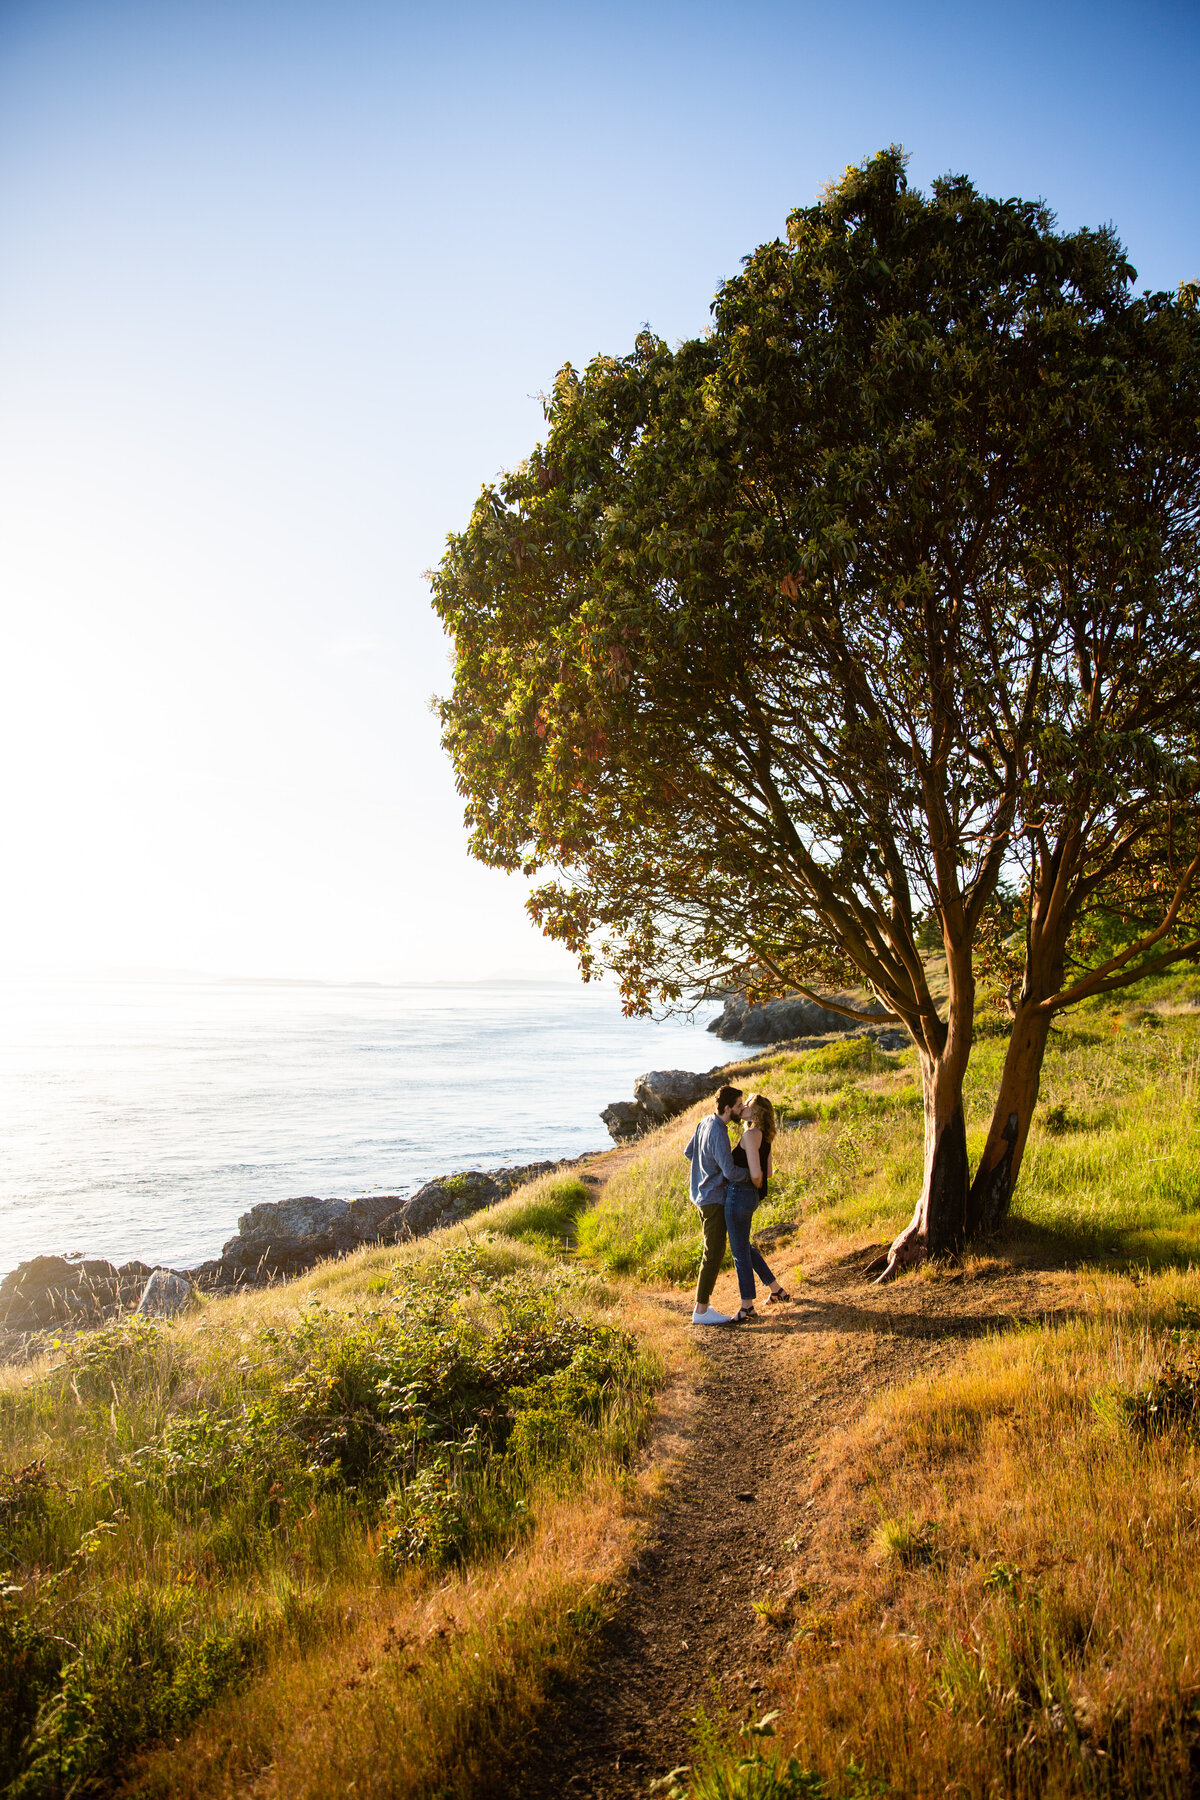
(138,1119)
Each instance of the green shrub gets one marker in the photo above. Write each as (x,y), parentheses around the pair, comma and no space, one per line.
(30,1661)
(1169,1401)
(98,1365)
(548,1412)
(146,1668)
(428,1520)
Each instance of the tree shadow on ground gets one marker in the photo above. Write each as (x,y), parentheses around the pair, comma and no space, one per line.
(812,1314)
(1027,1243)
(991,1294)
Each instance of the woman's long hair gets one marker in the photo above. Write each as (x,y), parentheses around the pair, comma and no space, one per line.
(760,1112)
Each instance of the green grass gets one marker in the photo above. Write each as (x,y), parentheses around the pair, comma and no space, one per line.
(186,1504)
(1114,1161)
(1112,1168)
(545,1213)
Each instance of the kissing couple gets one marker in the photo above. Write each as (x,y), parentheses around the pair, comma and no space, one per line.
(727,1185)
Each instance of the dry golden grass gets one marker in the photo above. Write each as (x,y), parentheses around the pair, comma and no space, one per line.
(426,1686)
(997,1591)
(420,1690)
(320,1665)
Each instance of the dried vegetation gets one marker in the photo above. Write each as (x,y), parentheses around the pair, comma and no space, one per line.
(380,1500)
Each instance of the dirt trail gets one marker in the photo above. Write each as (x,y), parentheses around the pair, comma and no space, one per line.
(733,1518)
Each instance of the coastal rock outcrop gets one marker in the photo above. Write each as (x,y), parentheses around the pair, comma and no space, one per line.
(665,1092)
(773,1021)
(67,1290)
(626,1120)
(283,1237)
(279,1238)
(657,1097)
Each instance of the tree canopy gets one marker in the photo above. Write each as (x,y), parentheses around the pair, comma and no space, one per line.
(831,623)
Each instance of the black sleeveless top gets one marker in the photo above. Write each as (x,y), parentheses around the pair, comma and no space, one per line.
(764,1157)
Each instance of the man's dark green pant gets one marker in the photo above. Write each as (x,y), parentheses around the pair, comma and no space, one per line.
(712,1218)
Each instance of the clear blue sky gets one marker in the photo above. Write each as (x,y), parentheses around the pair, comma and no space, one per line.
(279,287)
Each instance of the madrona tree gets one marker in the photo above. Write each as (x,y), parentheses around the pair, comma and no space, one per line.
(866,611)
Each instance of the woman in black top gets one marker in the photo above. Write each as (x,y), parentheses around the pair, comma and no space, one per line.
(742,1200)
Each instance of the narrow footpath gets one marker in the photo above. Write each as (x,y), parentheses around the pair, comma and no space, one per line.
(730,1528)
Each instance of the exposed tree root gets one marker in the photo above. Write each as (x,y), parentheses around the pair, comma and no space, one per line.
(908,1251)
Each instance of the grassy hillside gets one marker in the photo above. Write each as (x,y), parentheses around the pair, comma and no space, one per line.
(406,1464)
(997,1593)
(994,1592)
(1112,1168)
(350,1532)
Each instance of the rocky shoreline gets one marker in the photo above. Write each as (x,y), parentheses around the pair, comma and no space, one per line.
(793,1016)
(279,1239)
(274,1241)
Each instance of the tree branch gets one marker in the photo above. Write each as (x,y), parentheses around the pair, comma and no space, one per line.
(1115,972)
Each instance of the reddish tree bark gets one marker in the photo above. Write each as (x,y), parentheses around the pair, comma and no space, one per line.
(1012,1115)
(940,1222)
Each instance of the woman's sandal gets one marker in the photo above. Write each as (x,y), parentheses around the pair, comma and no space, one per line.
(743,1314)
(778,1297)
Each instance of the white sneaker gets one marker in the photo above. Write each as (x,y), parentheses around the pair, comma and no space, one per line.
(710,1316)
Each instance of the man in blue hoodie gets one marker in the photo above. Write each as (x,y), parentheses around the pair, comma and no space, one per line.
(713,1169)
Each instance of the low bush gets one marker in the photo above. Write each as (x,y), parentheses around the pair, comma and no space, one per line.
(1169,1401)
(847,1055)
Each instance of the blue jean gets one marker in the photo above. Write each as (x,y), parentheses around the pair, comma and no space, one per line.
(740,1203)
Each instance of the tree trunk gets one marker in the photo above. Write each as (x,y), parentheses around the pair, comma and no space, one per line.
(938,1226)
(996,1176)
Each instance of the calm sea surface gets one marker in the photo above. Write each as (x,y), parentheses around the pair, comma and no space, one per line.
(139,1119)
